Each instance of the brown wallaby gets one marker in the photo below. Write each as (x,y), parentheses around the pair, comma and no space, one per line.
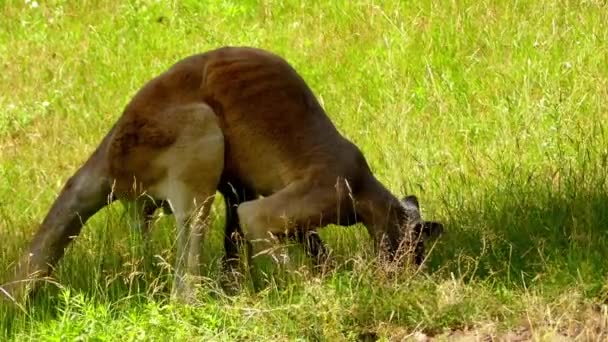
(231,115)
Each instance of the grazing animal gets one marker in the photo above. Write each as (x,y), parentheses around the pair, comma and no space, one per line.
(234,115)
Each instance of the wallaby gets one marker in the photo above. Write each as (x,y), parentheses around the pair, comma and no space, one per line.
(233,114)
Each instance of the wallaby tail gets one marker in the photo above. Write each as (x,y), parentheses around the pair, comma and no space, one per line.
(85,193)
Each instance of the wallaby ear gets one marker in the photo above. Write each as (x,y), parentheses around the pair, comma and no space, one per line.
(432,229)
(411,202)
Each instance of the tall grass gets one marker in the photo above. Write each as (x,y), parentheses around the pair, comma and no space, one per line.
(492,112)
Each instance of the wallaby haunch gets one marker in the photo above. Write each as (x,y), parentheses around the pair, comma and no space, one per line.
(234,115)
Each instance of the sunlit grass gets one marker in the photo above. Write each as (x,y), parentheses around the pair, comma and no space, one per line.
(492,113)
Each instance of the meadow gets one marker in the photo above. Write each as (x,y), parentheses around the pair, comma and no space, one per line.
(492,112)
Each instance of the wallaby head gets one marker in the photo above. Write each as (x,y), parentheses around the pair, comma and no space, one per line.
(418,231)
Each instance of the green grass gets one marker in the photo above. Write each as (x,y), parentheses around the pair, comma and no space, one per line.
(492,113)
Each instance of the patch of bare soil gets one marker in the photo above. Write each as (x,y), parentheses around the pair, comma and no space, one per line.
(591,326)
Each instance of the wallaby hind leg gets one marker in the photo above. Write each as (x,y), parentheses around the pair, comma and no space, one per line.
(85,193)
(191,208)
(191,167)
(234,193)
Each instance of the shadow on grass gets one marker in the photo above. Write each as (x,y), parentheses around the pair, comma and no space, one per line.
(530,233)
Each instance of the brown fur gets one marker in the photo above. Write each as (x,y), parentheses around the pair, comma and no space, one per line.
(264,131)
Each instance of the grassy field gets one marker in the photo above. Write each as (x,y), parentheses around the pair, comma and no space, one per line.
(492,112)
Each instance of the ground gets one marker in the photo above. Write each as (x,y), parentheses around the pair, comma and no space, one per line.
(491,112)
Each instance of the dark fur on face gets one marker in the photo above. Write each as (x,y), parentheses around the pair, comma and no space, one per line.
(417,230)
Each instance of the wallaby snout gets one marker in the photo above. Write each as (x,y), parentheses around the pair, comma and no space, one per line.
(421,231)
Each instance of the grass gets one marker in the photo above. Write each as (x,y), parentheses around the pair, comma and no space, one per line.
(492,112)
